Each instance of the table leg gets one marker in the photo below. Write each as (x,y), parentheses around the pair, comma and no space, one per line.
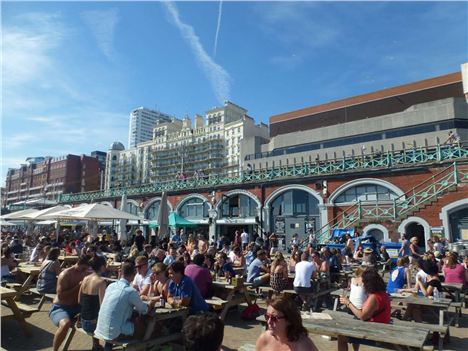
(227,305)
(441,317)
(18,315)
(24,287)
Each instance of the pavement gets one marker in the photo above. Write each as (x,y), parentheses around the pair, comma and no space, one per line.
(237,332)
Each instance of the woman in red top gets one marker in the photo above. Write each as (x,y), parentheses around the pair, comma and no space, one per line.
(375,309)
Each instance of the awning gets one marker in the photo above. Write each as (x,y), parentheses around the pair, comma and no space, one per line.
(175,221)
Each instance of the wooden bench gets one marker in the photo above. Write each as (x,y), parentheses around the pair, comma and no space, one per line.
(14,286)
(127,345)
(26,310)
(44,297)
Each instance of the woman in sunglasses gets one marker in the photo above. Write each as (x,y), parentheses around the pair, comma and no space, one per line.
(284,328)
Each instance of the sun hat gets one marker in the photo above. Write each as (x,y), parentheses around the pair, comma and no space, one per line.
(368,250)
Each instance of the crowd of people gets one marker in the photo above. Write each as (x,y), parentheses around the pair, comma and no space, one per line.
(180,270)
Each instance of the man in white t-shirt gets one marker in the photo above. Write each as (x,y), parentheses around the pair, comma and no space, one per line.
(142,280)
(244,239)
(304,272)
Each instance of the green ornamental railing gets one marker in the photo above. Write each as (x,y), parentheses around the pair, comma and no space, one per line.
(397,209)
(390,159)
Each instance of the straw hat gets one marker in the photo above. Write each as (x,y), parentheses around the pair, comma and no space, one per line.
(368,250)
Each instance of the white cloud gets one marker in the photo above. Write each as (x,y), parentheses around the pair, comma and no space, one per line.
(102,24)
(217,75)
(26,49)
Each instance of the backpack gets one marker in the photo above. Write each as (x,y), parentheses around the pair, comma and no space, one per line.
(251,312)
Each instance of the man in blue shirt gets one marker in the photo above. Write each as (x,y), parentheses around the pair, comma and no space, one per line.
(256,268)
(115,314)
(182,290)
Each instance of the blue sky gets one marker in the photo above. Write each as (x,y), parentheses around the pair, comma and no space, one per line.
(72,72)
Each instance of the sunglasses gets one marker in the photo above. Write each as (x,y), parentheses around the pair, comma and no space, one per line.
(272,318)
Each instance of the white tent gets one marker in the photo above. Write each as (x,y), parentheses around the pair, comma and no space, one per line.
(92,212)
(20,214)
(5,223)
(47,211)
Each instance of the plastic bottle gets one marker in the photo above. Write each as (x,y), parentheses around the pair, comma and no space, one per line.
(436,294)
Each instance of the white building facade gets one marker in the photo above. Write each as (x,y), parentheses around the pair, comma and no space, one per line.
(142,122)
(179,149)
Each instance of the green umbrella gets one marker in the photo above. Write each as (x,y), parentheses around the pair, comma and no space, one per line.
(175,221)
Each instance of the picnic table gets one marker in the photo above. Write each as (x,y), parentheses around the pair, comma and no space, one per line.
(455,288)
(9,295)
(440,305)
(68,260)
(397,336)
(237,294)
(159,314)
(31,271)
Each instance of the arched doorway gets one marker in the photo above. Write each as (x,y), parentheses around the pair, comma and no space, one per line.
(417,230)
(294,211)
(459,224)
(238,210)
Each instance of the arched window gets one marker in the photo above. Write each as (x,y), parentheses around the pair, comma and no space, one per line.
(294,203)
(153,210)
(239,206)
(132,208)
(194,208)
(366,192)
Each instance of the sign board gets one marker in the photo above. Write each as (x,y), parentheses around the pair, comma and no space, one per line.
(437,231)
(212,213)
(279,226)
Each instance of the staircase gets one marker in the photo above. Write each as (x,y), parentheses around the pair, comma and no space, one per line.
(422,195)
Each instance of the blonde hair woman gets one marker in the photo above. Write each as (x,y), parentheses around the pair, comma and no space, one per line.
(279,273)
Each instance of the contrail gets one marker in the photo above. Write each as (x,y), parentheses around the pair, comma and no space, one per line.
(219,78)
(220,12)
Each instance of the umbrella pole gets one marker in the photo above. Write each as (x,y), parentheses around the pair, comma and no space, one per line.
(57,230)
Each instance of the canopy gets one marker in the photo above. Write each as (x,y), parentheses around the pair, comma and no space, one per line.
(175,221)
(339,232)
(5,223)
(20,214)
(46,211)
(92,212)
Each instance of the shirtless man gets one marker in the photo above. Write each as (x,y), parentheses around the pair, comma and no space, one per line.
(65,306)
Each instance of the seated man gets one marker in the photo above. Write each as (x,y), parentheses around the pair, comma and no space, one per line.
(305,270)
(200,275)
(203,333)
(65,306)
(115,314)
(182,290)
(256,268)
(142,280)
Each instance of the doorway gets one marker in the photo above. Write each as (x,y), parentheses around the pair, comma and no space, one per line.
(417,230)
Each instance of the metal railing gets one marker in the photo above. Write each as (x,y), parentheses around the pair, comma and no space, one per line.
(422,194)
(390,159)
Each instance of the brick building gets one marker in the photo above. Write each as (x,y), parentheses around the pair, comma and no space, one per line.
(45,178)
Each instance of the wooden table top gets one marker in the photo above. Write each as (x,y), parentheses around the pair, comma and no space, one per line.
(421,300)
(5,292)
(68,258)
(29,269)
